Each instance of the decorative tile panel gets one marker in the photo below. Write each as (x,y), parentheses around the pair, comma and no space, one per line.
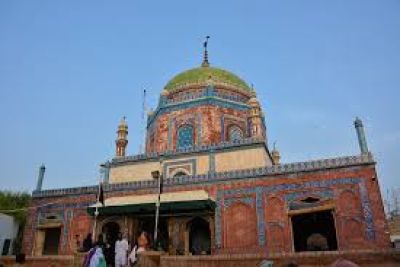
(224,195)
(245,200)
(260,216)
(366,206)
(185,137)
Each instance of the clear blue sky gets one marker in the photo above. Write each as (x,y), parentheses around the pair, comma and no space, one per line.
(69,70)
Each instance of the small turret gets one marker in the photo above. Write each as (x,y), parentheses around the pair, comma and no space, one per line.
(362,141)
(42,170)
(276,156)
(255,117)
(122,138)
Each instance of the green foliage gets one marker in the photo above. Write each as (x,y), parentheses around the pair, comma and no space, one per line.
(14,204)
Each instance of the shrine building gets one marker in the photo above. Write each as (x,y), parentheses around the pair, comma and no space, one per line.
(224,190)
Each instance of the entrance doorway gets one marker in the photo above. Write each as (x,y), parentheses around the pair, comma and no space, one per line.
(51,241)
(199,237)
(111,230)
(314,231)
(146,224)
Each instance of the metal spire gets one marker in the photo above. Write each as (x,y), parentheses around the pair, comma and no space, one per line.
(205,57)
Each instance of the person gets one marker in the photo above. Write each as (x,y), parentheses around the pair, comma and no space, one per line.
(87,243)
(97,260)
(100,242)
(121,251)
(142,244)
(88,257)
(109,251)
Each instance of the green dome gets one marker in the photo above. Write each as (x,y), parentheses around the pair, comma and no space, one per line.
(202,74)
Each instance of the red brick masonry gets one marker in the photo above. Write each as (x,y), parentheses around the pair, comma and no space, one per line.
(251,213)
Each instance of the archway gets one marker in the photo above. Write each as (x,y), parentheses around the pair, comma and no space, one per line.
(199,237)
(314,231)
(146,224)
(111,230)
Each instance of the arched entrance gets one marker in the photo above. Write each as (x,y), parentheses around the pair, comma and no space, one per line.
(146,224)
(199,237)
(314,231)
(111,230)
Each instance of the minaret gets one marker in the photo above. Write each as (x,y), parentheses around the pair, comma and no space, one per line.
(362,141)
(276,156)
(122,138)
(255,117)
(42,169)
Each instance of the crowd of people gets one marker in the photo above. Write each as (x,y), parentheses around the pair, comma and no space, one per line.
(119,253)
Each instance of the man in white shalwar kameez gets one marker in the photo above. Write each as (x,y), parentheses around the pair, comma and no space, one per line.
(121,251)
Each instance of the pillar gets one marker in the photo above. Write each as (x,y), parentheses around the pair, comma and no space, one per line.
(362,141)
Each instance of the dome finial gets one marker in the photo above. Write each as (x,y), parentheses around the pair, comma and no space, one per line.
(205,57)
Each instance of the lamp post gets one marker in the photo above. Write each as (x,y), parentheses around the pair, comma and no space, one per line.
(157,175)
(96,213)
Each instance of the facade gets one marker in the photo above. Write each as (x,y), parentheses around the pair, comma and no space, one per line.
(223,189)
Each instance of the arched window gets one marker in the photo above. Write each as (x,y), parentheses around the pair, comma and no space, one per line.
(180,173)
(235,133)
(185,137)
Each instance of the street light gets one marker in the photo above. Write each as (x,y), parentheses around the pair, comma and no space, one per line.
(157,175)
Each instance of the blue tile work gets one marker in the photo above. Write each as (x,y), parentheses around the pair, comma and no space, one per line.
(218,215)
(61,215)
(69,214)
(223,195)
(199,128)
(211,161)
(227,177)
(246,200)
(260,216)
(235,133)
(192,162)
(41,216)
(323,194)
(207,100)
(367,210)
(64,212)
(210,91)
(185,137)
(248,174)
(60,207)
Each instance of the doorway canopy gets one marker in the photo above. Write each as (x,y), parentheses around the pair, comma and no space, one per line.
(170,202)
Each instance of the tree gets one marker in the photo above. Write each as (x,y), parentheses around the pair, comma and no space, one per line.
(15,204)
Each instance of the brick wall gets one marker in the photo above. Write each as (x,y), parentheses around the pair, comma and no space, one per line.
(386,258)
(209,127)
(250,220)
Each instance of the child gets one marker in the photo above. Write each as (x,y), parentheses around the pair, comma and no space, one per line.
(143,244)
